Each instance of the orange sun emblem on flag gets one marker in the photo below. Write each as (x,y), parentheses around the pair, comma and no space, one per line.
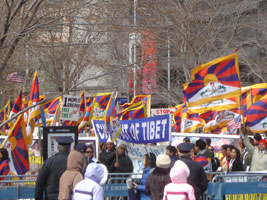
(13,143)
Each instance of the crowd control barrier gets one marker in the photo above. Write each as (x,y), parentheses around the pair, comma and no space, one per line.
(231,186)
(238,186)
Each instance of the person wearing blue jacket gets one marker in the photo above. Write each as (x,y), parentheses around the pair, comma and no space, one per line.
(149,165)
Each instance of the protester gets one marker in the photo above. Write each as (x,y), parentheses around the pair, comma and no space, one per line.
(157,180)
(257,137)
(90,155)
(246,157)
(203,155)
(124,163)
(215,162)
(235,163)
(71,176)
(149,165)
(208,142)
(81,147)
(103,149)
(90,188)
(197,178)
(259,153)
(172,152)
(52,169)
(186,140)
(4,163)
(179,189)
(108,157)
(223,161)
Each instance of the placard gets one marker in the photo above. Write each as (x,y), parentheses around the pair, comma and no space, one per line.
(71,108)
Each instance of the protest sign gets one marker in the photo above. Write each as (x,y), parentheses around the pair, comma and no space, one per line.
(71,108)
(162,111)
(136,153)
(139,131)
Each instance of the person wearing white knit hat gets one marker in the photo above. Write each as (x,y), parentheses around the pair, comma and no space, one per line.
(159,177)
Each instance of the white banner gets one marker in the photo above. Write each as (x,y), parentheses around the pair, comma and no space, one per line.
(136,152)
(161,111)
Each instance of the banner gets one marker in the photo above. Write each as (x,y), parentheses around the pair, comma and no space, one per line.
(136,153)
(162,111)
(139,131)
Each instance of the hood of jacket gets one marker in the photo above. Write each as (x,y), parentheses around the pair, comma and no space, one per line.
(75,161)
(96,172)
(179,172)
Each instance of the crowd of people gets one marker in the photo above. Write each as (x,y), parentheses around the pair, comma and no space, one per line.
(180,173)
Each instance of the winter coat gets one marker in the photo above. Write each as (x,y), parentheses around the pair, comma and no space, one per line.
(179,189)
(92,160)
(259,160)
(237,165)
(90,187)
(141,188)
(107,158)
(49,175)
(125,165)
(197,177)
(155,184)
(71,176)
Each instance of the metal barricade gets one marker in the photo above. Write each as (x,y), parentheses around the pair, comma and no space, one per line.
(239,185)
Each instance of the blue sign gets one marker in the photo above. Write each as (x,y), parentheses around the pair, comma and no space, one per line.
(139,131)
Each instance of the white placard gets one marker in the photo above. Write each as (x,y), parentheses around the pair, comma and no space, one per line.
(71,108)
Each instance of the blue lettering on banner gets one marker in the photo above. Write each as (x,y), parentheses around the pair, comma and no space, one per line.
(139,131)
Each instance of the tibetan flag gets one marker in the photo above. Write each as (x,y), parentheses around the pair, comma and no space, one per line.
(82,107)
(220,119)
(253,93)
(89,101)
(88,115)
(56,117)
(111,119)
(100,105)
(191,122)
(256,116)
(4,112)
(218,79)
(50,107)
(34,112)
(17,147)
(221,104)
(177,117)
(134,113)
(144,98)
(18,106)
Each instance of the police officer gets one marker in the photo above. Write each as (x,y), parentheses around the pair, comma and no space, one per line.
(51,171)
(197,177)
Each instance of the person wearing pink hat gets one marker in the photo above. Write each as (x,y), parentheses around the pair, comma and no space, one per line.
(179,189)
(259,153)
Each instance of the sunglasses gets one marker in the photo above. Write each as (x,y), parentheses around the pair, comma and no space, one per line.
(89,152)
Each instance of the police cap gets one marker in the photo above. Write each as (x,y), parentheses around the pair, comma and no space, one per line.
(64,140)
(185,147)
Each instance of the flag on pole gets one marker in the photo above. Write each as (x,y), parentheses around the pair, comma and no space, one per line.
(17,147)
(34,112)
(18,106)
(215,80)
(235,123)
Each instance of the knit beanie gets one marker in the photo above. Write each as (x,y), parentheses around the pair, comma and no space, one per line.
(264,142)
(163,161)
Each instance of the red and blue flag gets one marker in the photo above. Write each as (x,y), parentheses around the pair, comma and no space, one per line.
(215,80)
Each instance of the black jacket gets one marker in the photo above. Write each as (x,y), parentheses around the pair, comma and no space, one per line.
(197,178)
(156,182)
(49,176)
(237,166)
(125,165)
(107,158)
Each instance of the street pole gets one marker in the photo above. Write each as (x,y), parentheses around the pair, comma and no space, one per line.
(135,66)
(169,70)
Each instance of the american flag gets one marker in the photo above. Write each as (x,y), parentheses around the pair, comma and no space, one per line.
(17,77)
(235,123)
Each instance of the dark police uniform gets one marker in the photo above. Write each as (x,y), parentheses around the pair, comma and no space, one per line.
(51,171)
(197,178)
